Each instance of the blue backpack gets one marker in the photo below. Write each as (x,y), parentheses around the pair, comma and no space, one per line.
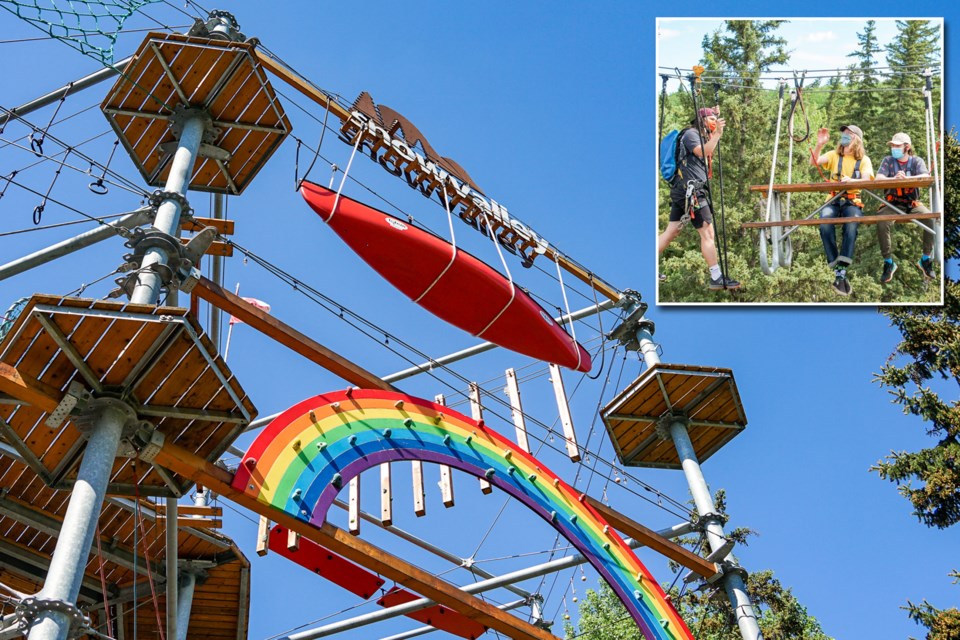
(670,154)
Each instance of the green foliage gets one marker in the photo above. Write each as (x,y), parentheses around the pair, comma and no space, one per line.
(923,374)
(707,613)
(735,56)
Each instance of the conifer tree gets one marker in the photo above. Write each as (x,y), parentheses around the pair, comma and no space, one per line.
(923,374)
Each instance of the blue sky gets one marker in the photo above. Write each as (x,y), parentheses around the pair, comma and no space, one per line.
(548,106)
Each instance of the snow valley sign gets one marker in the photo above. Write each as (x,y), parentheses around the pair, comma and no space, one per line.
(400,148)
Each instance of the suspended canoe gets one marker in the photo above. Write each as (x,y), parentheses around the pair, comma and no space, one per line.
(446,281)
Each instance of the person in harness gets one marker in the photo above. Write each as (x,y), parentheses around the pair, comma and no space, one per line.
(901,163)
(689,198)
(847,163)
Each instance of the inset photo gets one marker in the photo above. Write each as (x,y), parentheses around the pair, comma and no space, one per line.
(799,161)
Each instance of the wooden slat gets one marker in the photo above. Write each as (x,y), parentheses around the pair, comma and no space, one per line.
(287,336)
(827,187)
(516,410)
(386,494)
(566,420)
(419,495)
(353,507)
(446,474)
(871,219)
(355,549)
(476,412)
(651,539)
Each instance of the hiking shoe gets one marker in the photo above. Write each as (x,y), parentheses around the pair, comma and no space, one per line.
(889,268)
(723,282)
(926,267)
(842,286)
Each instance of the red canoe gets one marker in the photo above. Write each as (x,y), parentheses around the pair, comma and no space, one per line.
(448,282)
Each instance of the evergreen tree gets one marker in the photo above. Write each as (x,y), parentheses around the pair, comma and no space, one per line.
(923,374)
(915,48)
(865,111)
(742,50)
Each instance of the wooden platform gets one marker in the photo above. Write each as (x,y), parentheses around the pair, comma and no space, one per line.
(156,358)
(171,72)
(827,187)
(30,517)
(707,396)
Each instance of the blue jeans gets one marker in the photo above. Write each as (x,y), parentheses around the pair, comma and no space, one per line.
(828,233)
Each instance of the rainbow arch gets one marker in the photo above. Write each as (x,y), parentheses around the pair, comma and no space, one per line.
(300,461)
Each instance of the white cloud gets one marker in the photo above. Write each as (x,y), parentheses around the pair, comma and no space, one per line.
(665,34)
(819,36)
(826,60)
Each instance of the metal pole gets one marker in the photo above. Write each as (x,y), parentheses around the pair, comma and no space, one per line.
(732,580)
(413,633)
(87,81)
(147,290)
(102,232)
(188,582)
(173,613)
(62,584)
(477,587)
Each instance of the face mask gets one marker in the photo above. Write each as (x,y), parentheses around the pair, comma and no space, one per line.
(712,125)
(896,152)
(845,139)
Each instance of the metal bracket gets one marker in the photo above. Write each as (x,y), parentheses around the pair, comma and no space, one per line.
(75,394)
(626,331)
(182,113)
(180,269)
(205,151)
(86,415)
(220,25)
(152,444)
(706,518)
(157,197)
(663,423)
(31,607)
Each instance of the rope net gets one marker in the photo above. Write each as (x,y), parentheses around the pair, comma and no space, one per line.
(89,27)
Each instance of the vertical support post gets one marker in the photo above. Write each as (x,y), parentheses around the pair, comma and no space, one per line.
(516,410)
(171,566)
(121,629)
(446,473)
(566,420)
(419,495)
(147,290)
(263,536)
(733,580)
(216,274)
(188,583)
(354,510)
(476,412)
(386,495)
(79,523)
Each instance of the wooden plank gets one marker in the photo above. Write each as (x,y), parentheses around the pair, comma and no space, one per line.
(223,227)
(566,420)
(353,507)
(516,410)
(419,495)
(303,85)
(263,536)
(446,474)
(827,187)
(288,336)
(386,495)
(27,389)
(476,412)
(354,549)
(651,539)
(871,219)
